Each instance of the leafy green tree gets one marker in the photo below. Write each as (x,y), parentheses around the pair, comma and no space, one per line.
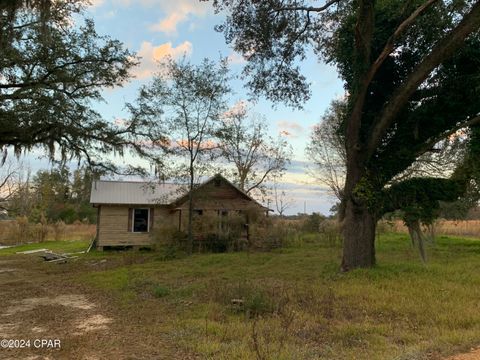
(53,65)
(182,107)
(55,194)
(411,69)
(327,153)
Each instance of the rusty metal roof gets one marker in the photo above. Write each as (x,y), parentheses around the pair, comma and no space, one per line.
(134,192)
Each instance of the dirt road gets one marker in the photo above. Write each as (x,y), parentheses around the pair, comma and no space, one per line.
(46,315)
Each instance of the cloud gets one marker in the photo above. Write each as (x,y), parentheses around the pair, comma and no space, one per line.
(235,58)
(151,55)
(240,107)
(176,12)
(290,128)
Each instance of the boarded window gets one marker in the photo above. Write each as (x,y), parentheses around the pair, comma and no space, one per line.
(141,220)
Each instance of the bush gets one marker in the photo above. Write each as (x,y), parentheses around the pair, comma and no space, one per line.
(220,233)
(259,304)
(160,291)
(312,222)
(268,234)
(215,232)
(168,241)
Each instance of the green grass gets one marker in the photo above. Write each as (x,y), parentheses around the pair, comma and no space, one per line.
(296,304)
(55,246)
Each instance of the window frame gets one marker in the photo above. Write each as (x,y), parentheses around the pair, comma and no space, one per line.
(198,212)
(133,221)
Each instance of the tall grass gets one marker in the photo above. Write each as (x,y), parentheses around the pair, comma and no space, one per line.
(20,231)
(446,227)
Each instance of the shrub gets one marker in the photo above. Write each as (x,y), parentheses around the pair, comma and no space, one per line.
(160,291)
(217,232)
(168,240)
(220,233)
(312,222)
(268,234)
(259,304)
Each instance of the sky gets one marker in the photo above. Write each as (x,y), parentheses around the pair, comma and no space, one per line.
(156,28)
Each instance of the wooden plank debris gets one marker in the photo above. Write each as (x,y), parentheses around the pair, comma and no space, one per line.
(32,251)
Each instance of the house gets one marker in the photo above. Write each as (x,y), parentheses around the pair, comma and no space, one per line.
(128,211)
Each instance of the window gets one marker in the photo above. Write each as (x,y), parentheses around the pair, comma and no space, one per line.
(140,220)
(198,212)
(217,182)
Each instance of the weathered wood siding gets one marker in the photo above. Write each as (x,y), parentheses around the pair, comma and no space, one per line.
(219,196)
(113,226)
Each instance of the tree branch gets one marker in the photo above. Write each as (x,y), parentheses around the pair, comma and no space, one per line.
(308,8)
(389,46)
(444,49)
(473,121)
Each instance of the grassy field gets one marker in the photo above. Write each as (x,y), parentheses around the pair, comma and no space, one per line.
(446,227)
(294,303)
(55,246)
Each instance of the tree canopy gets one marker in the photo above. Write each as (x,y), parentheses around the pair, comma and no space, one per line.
(53,66)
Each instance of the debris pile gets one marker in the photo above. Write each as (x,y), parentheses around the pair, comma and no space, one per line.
(50,256)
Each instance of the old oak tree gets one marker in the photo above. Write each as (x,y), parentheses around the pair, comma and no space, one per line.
(411,70)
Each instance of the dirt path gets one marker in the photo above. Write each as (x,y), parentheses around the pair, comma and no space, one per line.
(472,355)
(51,317)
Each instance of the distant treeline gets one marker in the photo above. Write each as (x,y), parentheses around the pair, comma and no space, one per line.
(58,194)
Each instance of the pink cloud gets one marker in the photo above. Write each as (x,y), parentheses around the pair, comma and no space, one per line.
(151,55)
(290,128)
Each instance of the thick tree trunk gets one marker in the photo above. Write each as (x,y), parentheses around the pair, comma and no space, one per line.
(358,237)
